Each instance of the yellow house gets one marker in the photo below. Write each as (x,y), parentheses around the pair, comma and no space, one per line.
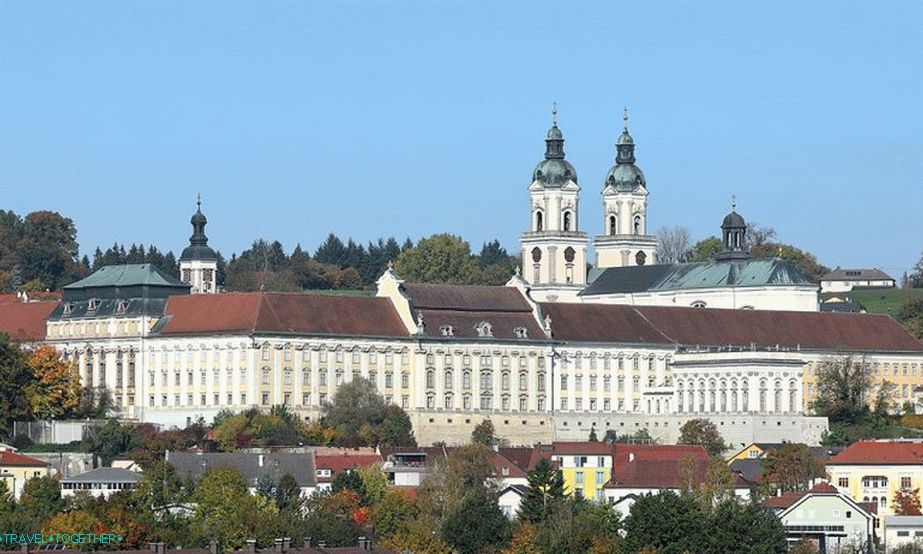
(755,451)
(16,469)
(585,466)
(873,471)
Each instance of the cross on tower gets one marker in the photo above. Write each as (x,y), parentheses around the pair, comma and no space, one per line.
(625,117)
(554,114)
(733,202)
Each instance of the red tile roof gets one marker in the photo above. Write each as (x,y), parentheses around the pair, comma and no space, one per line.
(281,313)
(655,466)
(501,463)
(880,453)
(715,327)
(594,448)
(519,455)
(339,463)
(790,498)
(11,459)
(25,321)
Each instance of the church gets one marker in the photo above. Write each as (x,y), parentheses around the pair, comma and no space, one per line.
(554,250)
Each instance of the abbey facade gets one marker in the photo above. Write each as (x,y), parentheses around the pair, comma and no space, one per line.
(551,355)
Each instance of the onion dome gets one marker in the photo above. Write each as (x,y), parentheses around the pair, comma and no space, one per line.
(625,176)
(554,170)
(198,248)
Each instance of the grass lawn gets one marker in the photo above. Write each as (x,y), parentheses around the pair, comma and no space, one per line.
(879,301)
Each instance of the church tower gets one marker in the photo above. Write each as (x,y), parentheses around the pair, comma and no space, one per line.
(554,249)
(198,264)
(733,237)
(625,241)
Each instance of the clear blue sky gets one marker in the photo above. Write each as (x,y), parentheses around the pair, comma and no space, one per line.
(367,119)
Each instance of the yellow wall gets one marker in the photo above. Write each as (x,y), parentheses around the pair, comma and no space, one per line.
(905,372)
(590,484)
(18,475)
(751,452)
(893,473)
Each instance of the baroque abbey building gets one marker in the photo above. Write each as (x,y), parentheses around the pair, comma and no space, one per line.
(629,345)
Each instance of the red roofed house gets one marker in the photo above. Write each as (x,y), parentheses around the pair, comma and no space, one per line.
(328,466)
(873,471)
(16,469)
(827,518)
(649,469)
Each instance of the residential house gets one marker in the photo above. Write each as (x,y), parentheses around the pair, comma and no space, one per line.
(901,530)
(585,466)
(16,469)
(873,471)
(510,498)
(825,517)
(650,469)
(841,280)
(102,482)
(254,467)
(329,465)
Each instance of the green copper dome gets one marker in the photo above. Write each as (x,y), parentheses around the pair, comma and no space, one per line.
(554,170)
(625,177)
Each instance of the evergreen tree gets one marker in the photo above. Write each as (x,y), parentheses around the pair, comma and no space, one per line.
(477,524)
(546,489)
(332,251)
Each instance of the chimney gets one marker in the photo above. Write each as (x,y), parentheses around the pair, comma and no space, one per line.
(365,544)
(260,460)
(279,544)
(286,543)
(27,547)
(251,546)
(307,541)
(213,547)
(322,544)
(153,547)
(159,548)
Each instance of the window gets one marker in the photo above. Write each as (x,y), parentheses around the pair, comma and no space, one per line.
(448,380)
(430,379)
(389,380)
(564,382)
(323,378)
(265,353)
(243,398)
(430,401)
(578,404)
(287,379)
(338,378)
(505,380)
(486,402)
(448,402)
(466,380)
(541,382)
(564,404)
(405,380)
(843,482)
(523,381)
(905,482)
(522,404)
(265,376)
(265,399)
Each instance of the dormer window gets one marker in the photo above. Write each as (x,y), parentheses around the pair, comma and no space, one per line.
(92,305)
(484,329)
(121,307)
(68,308)
(447,330)
(521,332)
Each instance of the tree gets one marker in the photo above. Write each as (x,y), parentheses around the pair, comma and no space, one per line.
(40,498)
(111,440)
(736,527)
(394,514)
(441,258)
(843,386)
(702,432)
(758,235)
(54,390)
(805,261)
(593,437)
(916,276)
(907,502)
(484,433)
(673,245)
(911,315)
(666,521)
(396,429)
(332,251)
(523,541)
(719,483)
(705,250)
(350,480)
(288,494)
(419,538)
(224,509)
(545,490)
(356,406)
(16,377)
(478,525)
(791,468)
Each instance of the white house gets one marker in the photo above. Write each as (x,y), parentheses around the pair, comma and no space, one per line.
(102,482)
(900,530)
(842,280)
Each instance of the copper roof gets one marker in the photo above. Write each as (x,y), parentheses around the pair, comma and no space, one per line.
(25,321)
(259,312)
(719,327)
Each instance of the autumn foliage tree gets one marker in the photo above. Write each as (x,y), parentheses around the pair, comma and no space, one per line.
(54,391)
(791,468)
(702,432)
(907,502)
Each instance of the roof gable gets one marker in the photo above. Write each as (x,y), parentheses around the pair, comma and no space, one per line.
(880,453)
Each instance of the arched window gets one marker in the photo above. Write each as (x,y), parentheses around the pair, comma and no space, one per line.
(486,378)
(430,379)
(505,380)
(637,224)
(466,380)
(539,223)
(567,222)
(640,258)
(448,379)
(448,403)
(679,395)
(744,390)
(698,304)
(792,398)
(613,225)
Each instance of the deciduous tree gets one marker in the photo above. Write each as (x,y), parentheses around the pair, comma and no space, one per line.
(791,468)
(441,258)
(907,502)
(54,390)
(702,432)
(15,377)
(843,386)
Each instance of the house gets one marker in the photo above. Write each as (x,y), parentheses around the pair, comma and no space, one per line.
(650,469)
(102,482)
(409,466)
(585,466)
(841,280)
(510,498)
(252,465)
(328,466)
(874,470)
(507,472)
(756,450)
(825,517)
(16,469)
(126,463)
(901,530)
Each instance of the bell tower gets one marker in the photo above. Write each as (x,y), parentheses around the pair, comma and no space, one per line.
(554,249)
(625,240)
(198,264)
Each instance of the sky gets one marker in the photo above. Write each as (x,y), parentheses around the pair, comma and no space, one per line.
(369,119)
